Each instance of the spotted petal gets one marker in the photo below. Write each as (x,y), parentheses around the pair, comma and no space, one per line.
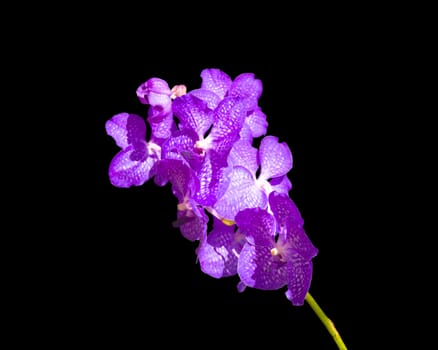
(275,158)
(126,129)
(216,80)
(244,154)
(299,279)
(257,268)
(126,172)
(257,123)
(257,225)
(208,96)
(195,228)
(299,242)
(161,122)
(281,184)
(284,208)
(181,177)
(241,193)
(247,88)
(218,254)
(192,113)
(228,120)
(155,92)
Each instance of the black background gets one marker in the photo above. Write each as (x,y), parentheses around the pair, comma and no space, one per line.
(126,276)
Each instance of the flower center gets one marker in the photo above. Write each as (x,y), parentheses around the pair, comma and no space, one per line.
(154,150)
(201,146)
(185,205)
(264,185)
(279,252)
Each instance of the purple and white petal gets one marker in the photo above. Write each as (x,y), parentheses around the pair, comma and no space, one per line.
(155,92)
(257,225)
(126,129)
(181,177)
(275,157)
(285,210)
(228,120)
(212,260)
(281,184)
(257,268)
(298,242)
(214,177)
(244,154)
(195,229)
(216,80)
(221,234)
(299,280)
(246,133)
(192,113)
(125,172)
(248,89)
(241,193)
(218,255)
(257,122)
(208,96)
(182,146)
(162,123)
(220,175)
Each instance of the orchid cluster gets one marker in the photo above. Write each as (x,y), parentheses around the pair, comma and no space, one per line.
(230,178)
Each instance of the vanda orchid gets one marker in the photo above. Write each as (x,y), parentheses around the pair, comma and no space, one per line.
(202,144)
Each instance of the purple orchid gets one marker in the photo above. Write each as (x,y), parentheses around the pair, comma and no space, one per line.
(191,217)
(218,254)
(204,140)
(277,251)
(132,164)
(245,189)
(201,143)
(156,93)
(245,87)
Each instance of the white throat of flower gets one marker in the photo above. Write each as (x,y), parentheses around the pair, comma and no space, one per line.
(202,145)
(264,185)
(154,149)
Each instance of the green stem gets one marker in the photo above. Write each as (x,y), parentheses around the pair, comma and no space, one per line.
(326,322)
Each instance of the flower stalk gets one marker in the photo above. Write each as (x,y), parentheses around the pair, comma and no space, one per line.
(326,321)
